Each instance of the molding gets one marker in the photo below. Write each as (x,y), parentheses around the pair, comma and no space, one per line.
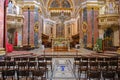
(2,51)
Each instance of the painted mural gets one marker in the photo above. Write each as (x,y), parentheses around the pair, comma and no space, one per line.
(60,4)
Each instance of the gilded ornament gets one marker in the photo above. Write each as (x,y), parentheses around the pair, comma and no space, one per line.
(84,27)
(36,27)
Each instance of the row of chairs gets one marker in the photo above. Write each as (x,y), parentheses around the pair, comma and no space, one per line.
(26,58)
(29,66)
(97,66)
(94,59)
(109,75)
(48,60)
(102,67)
(20,74)
(79,59)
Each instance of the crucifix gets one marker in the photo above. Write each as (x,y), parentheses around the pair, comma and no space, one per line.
(62,19)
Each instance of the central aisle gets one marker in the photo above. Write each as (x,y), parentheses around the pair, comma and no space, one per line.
(63,69)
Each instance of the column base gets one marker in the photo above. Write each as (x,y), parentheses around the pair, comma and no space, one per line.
(2,51)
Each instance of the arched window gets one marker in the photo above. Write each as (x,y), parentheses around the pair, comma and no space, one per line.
(65,4)
(10,7)
(14,10)
(55,4)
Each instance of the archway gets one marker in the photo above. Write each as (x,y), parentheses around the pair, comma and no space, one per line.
(108,38)
(11,33)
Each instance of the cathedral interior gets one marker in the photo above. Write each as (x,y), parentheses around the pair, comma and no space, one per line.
(66,33)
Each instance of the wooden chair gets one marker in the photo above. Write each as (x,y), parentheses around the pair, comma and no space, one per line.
(17,59)
(40,59)
(93,66)
(32,66)
(32,59)
(23,74)
(108,75)
(38,73)
(94,75)
(84,59)
(24,59)
(83,67)
(22,66)
(2,66)
(103,66)
(10,64)
(113,66)
(49,61)
(7,74)
(92,59)
(7,58)
(43,66)
(77,60)
(100,59)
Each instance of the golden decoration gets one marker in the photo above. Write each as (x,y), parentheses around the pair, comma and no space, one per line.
(36,27)
(84,27)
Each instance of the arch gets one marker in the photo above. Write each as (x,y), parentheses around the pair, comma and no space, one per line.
(55,4)
(65,4)
(59,2)
(10,7)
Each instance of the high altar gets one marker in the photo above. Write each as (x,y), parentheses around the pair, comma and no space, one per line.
(60,44)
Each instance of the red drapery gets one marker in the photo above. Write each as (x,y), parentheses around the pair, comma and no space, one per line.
(9,47)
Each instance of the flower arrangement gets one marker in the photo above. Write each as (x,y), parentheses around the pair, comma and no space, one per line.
(96,48)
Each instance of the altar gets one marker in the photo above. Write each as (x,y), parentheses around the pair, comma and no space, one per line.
(60,44)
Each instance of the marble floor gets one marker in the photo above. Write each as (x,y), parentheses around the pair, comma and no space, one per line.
(63,69)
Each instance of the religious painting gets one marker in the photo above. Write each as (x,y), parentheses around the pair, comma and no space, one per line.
(55,4)
(66,4)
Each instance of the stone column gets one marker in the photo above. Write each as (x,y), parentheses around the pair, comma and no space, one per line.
(2,28)
(96,30)
(31,27)
(92,32)
(89,28)
(81,32)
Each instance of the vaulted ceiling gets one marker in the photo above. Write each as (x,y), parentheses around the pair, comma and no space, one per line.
(74,3)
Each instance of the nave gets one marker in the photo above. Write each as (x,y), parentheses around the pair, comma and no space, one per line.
(83,66)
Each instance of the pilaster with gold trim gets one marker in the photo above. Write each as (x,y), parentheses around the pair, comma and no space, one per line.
(31,5)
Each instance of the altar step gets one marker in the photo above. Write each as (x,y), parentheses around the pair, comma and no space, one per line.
(61,56)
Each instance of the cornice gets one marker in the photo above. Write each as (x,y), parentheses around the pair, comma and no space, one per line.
(31,6)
